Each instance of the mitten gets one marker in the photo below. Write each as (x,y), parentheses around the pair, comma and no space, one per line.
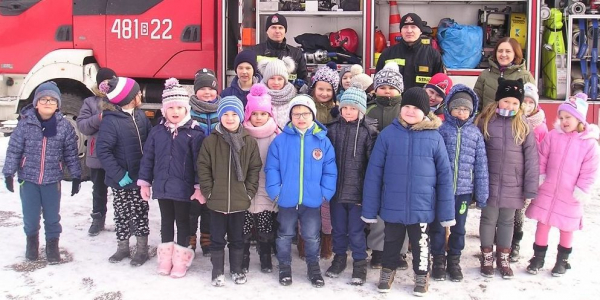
(75,186)
(8,180)
(198,196)
(125,180)
(298,83)
(580,195)
(448,223)
(145,193)
(335,111)
(368,221)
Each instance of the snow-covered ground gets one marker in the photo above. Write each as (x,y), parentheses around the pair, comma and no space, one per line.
(87,274)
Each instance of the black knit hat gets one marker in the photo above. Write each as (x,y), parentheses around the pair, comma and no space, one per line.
(510,88)
(105,73)
(411,19)
(276,19)
(246,56)
(205,78)
(417,97)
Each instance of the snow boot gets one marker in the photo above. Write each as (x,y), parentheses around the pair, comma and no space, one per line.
(52,252)
(205,244)
(562,261)
(326,246)
(453,268)
(32,251)
(246,257)
(97,224)
(236,259)
(141,251)
(338,265)
(314,275)
(285,275)
(193,241)
(359,272)
(376,258)
(487,262)
(402,263)
(538,259)
(122,252)
(386,278)
(421,285)
(164,253)
(438,270)
(217,258)
(515,246)
(182,260)
(266,266)
(503,263)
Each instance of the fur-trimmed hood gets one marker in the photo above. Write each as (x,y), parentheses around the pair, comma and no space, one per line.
(592,131)
(431,122)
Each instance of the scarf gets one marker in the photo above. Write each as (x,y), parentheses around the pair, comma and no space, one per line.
(283,96)
(48,126)
(504,68)
(263,131)
(173,127)
(235,140)
(537,119)
(505,112)
(203,107)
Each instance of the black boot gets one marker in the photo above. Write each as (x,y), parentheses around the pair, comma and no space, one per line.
(32,248)
(515,246)
(52,252)
(438,270)
(453,268)
(266,266)
(236,258)
(97,224)
(562,261)
(285,275)
(217,258)
(314,275)
(245,258)
(376,257)
(141,251)
(338,265)
(359,272)
(537,261)
(122,252)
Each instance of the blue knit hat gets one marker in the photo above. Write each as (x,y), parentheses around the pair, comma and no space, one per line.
(231,103)
(246,56)
(356,97)
(49,89)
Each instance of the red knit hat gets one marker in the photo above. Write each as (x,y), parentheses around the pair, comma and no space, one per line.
(441,83)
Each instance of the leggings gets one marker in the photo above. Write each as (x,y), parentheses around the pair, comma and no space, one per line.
(541,236)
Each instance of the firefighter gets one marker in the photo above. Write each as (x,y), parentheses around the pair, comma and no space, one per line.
(418,61)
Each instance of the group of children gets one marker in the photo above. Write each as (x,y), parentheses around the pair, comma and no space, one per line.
(265,163)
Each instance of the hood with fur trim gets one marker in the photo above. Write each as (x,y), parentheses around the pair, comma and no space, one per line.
(431,122)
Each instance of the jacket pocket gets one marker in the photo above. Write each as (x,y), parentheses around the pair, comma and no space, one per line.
(23,160)
(60,165)
(472,177)
(518,179)
(433,199)
(92,147)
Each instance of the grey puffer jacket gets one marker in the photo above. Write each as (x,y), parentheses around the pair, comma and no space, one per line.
(88,122)
(514,169)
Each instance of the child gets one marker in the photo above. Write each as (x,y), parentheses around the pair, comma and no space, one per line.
(228,169)
(437,88)
(408,183)
(246,75)
(388,86)
(260,217)
(88,123)
(300,175)
(537,119)
(275,75)
(168,167)
(122,133)
(513,170)
(345,80)
(204,105)
(468,161)
(41,142)
(569,158)
(352,136)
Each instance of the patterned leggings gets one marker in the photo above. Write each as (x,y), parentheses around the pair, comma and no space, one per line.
(261,225)
(130,207)
(520,217)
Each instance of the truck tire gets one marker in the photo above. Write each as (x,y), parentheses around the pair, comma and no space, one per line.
(70,107)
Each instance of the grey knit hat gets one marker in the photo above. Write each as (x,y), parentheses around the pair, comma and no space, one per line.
(389,75)
(273,67)
(461,99)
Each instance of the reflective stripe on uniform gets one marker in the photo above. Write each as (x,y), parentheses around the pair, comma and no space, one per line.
(422,79)
(399,61)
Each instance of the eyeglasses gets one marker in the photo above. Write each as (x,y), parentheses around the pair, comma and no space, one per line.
(462,110)
(48,101)
(304,116)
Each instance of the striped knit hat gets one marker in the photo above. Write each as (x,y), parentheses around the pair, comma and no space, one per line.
(231,103)
(356,97)
(174,95)
(389,75)
(122,90)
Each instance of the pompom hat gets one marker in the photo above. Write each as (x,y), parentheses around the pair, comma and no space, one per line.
(174,95)
(258,100)
(389,75)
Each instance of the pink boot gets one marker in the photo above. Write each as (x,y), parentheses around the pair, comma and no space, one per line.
(164,252)
(182,259)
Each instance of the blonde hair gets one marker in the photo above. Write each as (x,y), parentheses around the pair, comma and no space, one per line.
(580,127)
(520,129)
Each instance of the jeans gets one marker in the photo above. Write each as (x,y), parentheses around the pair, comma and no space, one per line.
(310,227)
(39,200)
(456,241)
(348,229)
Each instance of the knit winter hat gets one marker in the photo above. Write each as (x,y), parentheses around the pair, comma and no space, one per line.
(276,67)
(231,103)
(417,97)
(441,84)
(346,69)
(531,91)
(390,75)
(276,19)
(258,100)
(411,19)
(327,73)
(461,99)
(174,95)
(49,89)
(103,74)
(122,90)
(246,56)
(304,100)
(577,106)
(205,78)
(354,96)
(510,88)
(359,77)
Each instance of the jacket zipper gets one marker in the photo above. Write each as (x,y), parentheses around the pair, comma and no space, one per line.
(341,176)
(502,165)
(456,156)
(562,163)
(410,136)
(43,159)
(138,133)
(301,168)
(229,185)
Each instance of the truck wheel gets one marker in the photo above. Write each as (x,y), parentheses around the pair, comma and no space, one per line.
(71,104)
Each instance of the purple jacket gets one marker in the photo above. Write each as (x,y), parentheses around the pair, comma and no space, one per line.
(88,122)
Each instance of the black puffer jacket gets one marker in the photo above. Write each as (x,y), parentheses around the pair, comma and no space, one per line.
(352,152)
(270,48)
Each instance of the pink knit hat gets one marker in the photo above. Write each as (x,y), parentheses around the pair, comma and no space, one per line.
(577,106)
(258,100)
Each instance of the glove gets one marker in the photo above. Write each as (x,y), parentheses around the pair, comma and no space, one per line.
(125,180)
(8,180)
(448,223)
(145,193)
(368,221)
(198,196)
(542,179)
(298,83)
(335,111)
(580,195)
(481,205)
(75,186)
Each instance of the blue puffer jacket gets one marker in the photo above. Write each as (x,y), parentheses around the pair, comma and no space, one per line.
(169,162)
(468,159)
(120,140)
(235,90)
(408,178)
(36,158)
(301,169)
